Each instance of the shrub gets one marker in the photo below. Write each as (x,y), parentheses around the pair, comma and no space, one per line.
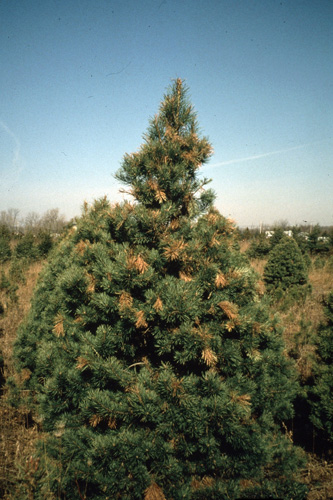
(157,371)
(285,270)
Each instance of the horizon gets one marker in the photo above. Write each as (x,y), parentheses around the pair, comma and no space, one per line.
(25,220)
(80,82)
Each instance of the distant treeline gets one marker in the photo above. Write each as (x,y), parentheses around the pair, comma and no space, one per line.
(51,222)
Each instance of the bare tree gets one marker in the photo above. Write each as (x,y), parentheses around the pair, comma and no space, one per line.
(9,218)
(52,222)
(32,222)
(282,223)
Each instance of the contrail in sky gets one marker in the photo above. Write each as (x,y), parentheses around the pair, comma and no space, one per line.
(263,155)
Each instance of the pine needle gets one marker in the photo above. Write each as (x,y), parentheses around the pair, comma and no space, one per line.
(112,423)
(141,321)
(243,399)
(220,280)
(230,309)
(160,196)
(81,363)
(158,306)
(125,301)
(141,264)
(95,420)
(80,247)
(59,326)
(91,283)
(173,251)
(215,241)
(185,277)
(205,482)
(137,262)
(209,356)
(174,224)
(154,492)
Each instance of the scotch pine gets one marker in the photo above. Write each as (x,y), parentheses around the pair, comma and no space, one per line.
(156,371)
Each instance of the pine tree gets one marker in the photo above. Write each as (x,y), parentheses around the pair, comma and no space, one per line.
(286,271)
(156,371)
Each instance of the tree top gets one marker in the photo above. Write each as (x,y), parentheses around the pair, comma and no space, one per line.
(164,169)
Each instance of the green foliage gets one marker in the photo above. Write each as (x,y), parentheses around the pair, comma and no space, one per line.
(285,271)
(320,391)
(17,270)
(156,369)
(26,247)
(5,250)
(317,242)
(10,287)
(277,237)
(301,238)
(5,232)
(4,282)
(45,244)
(259,248)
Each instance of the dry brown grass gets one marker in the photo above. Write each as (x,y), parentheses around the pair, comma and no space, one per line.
(15,312)
(311,313)
(318,475)
(17,430)
(311,309)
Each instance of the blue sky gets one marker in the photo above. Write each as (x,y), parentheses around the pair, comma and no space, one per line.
(80,79)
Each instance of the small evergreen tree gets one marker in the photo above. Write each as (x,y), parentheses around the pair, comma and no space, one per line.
(45,243)
(313,243)
(26,247)
(259,248)
(285,270)
(277,236)
(157,371)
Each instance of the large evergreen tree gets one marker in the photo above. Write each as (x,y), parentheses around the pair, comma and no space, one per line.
(156,371)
